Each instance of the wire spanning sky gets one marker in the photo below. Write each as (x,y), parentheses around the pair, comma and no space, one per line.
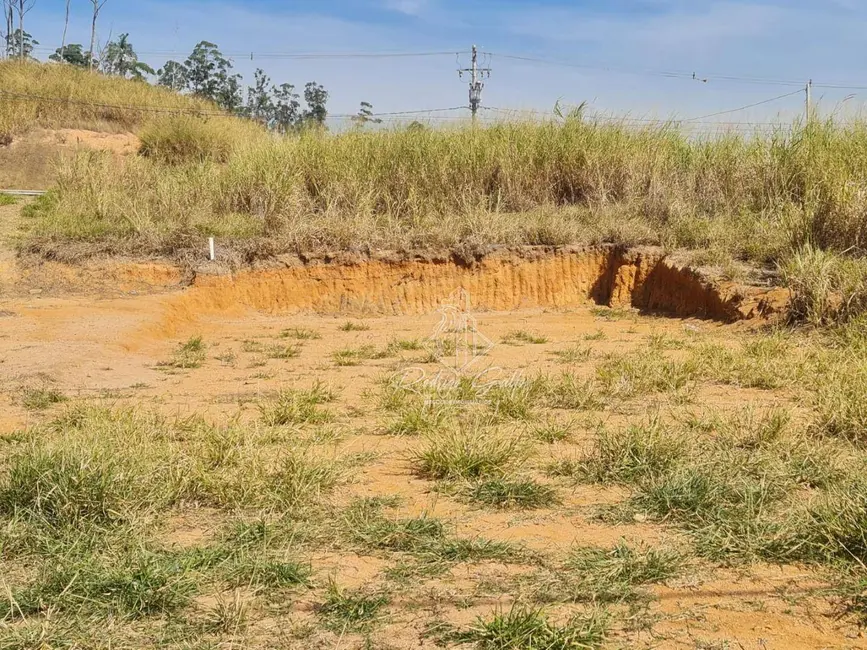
(633,57)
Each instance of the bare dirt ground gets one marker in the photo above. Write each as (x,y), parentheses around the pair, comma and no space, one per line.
(103,350)
(111,350)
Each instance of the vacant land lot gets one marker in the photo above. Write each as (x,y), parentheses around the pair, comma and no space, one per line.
(597,478)
(252,460)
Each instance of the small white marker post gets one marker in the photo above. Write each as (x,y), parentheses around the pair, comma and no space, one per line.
(211,248)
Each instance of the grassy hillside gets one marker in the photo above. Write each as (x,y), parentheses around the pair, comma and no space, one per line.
(50,95)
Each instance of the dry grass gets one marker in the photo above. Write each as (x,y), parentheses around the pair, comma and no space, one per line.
(85,99)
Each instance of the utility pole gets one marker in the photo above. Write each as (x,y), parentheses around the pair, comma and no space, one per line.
(476,86)
(809,100)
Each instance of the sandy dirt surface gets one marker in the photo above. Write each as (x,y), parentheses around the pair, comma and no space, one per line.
(110,350)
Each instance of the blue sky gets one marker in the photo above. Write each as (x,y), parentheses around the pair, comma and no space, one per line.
(781,40)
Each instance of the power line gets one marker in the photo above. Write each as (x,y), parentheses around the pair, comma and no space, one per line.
(743,108)
(298,55)
(415,112)
(677,74)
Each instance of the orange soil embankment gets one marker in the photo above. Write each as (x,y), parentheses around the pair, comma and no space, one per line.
(508,279)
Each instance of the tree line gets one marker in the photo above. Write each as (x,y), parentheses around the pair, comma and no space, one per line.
(205,73)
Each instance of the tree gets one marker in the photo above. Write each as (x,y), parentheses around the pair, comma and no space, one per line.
(365,115)
(287,108)
(172,75)
(73,54)
(229,95)
(206,70)
(97,7)
(21,44)
(23,7)
(316,98)
(260,104)
(120,59)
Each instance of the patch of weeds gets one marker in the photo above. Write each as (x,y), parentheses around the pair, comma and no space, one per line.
(293,406)
(39,399)
(369,527)
(475,549)
(256,571)
(635,374)
(272,351)
(598,335)
(640,452)
(514,402)
(7,199)
(552,431)
(134,587)
(524,494)
(521,628)
(190,354)
(67,487)
(841,406)
(352,326)
(660,341)
(301,479)
(351,610)
(418,418)
(425,537)
(227,615)
(613,575)
(611,313)
(520,337)
(300,334)
(404,345)
(282,351)
(468,454)
(573,354)
(571,393)
(227,358)
(759,364)
(853,599)
(355,356)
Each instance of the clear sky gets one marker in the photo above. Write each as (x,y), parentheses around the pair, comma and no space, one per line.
(785,40)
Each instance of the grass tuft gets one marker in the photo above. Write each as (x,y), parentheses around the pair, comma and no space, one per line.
(190,354)
(468,454)
(295,406)
(522,494)
(39,399)
(351,610)
(530,629)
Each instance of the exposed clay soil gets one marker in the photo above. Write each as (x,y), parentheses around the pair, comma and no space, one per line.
(28,162)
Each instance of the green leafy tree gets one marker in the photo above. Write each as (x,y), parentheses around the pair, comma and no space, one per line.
(365,115)
(73,54)
(21,44)
(260,104)
(173,75)
(207,70)
(316,98)
(120,59)
(287,108)
(229,95)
